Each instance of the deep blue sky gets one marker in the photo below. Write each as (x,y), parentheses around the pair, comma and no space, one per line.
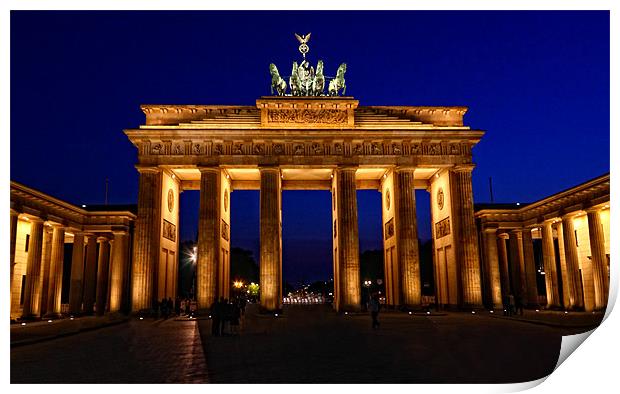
(537,82)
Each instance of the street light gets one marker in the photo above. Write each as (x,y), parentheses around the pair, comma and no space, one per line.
(367,284)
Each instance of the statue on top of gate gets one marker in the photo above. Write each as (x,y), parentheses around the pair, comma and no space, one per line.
(305,80)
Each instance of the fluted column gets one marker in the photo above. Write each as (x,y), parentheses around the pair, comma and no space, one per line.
(599,259)
(466,235)
(503,263)
(55,279)
(46,262)
(572,263)
(563,268)
(33,270)
(551,274)
(118,269)
(146,239)
(492,266)
(348,239)
(76,286)
(208,236)
(529,264)
(103,269)
(270,239)
(407,238)
(90,275)
(517,270)
(14,218)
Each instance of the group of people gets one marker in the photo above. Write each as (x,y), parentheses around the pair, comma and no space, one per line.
(512,305)
(179,307)
(226,316)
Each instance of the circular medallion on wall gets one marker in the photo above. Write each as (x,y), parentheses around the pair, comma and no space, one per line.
(170,200)
(388,200)
(225,200)
(440,198)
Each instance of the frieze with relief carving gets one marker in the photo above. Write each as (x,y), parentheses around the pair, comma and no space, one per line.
(169,231)
(327,116)
(442,228)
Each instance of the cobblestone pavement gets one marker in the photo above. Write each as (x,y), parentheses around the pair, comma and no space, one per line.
(141,351)
(314,344)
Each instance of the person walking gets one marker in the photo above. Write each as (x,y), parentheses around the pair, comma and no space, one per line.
(235,317)
(373,306)
(170,306)
(215,318)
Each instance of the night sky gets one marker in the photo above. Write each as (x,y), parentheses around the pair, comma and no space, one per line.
(536,82)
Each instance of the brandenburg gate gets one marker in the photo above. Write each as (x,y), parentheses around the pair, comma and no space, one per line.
(306,140)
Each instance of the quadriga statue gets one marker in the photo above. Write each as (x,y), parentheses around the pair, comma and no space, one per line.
(338,83)
(277,82)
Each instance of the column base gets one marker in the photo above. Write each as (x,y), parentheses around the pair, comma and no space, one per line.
(52,316)
(265,311)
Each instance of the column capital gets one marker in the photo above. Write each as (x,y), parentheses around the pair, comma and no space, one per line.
(463,168)
(503,235)
(119,232)
(269,169)
(347,168)
(103,238)
(490,230)
(570,215)
(34,219)
(594,209)
(404,168)
(148,169)
(204,169)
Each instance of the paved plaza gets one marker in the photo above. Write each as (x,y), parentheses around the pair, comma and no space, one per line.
(306,344)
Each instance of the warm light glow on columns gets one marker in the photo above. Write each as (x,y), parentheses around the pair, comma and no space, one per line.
(563,266)
(466,237)
(551,274)
(208,258)
(118,267)
(270,238)
(103,269)
(502,252)
(14,218)
(348,240)
(33,269)
(76,287)
(407,238)
(530,268)
(146,239)
(90,275)
(599,259)
(56,265)
(517,270)
(492,266)
(572,263)
(46,262)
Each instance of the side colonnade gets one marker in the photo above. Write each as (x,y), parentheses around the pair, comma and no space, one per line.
(551,254)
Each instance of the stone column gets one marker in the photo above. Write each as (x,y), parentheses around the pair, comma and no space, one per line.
(55,279)
(551,274)
(572,263)
(270,239)
(466,236)
(503,263)
(77,274)
(33,270)
(118,269)
(90,275)
(208,236)
(348,239)
(407,238)
(46,262)
(14,218)
(146,239)
(599,259)
(103,269)
(563,268)
(530,268)
(517,272)
(492,266)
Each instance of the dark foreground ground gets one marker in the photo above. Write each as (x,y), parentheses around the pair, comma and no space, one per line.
(305,345)
(316,345)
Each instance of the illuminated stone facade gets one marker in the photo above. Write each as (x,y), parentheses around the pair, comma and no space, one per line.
(322,143)
(98,278)
(553,253)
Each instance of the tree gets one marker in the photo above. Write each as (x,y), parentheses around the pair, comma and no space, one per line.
(243,266)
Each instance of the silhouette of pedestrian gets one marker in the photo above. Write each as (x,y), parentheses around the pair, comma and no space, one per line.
(170,306)
(374,306)
(215,318)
